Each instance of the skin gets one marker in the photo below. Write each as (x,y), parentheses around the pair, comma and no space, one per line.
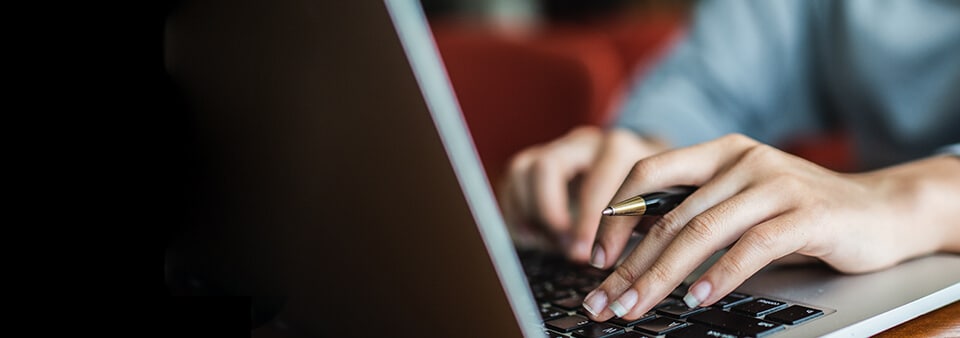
(765,204)
(797,212)
(536,196)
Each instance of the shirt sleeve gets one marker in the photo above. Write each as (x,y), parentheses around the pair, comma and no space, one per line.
(744,67)
(953,149)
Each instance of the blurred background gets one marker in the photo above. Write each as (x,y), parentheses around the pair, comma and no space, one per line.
(527,71)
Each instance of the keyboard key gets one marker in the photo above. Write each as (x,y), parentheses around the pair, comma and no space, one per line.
(565,282)
(598,330)
(634,334)
(659,325)
(540,296)
(735,324)
(794,315)
(570,304)
(679,291)
(549,334)
(625,322)
(549,313)
(585,289)
(546,296)
(550,296)
(699,331)
(667,302)
(732,299)
(536,287)
(679,311)
(759,307)
(567,324)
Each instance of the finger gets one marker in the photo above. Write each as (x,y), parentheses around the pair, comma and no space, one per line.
(706,233)
(619,151)
(514,191)
(610,240)
(646,223)
(553,170)
(687,166)
(513,199)
(757,247)
(548,186)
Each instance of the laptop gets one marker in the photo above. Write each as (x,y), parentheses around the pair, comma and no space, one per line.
(342,192)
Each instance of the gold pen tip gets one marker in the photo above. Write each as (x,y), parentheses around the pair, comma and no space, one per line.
(608,211)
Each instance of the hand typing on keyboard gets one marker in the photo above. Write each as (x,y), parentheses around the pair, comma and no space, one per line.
(536,192)
(559,286)
(765,204)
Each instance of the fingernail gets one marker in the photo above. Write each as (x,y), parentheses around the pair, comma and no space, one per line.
(598,258)
(596,300)
(625,303)
(697,294)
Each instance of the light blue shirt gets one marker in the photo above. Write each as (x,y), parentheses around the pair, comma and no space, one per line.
(887,71)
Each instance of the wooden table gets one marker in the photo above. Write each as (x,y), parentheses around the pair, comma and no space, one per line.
(944,322)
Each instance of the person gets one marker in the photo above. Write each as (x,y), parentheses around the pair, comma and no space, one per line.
(748,77)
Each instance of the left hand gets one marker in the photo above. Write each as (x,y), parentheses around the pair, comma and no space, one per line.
(768,204)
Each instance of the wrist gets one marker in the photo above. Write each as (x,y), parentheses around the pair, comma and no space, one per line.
(923,195)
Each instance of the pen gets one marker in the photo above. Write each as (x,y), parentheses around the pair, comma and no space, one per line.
(654,203)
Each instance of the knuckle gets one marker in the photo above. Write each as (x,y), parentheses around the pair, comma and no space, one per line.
(543,164)
(701,227)
(732,267)
(619,139)
(757,153)
(659,273)
(665,229)
(822,211)
(521,161)
(738,139)
(786,182)
(584,131)
(760,240)
(819,202)
(642,168)
(516,163)
(626,274)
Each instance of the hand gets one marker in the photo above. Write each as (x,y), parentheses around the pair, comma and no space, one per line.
(768,204)
(537,186)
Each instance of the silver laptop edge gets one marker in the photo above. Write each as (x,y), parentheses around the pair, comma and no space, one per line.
(864,304)
(901,314)
(416,38)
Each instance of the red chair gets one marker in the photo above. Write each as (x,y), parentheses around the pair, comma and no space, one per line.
(517,91)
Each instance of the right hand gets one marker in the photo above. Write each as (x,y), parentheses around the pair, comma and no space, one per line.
(537,189)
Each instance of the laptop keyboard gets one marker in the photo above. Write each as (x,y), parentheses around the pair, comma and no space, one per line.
(559,288)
